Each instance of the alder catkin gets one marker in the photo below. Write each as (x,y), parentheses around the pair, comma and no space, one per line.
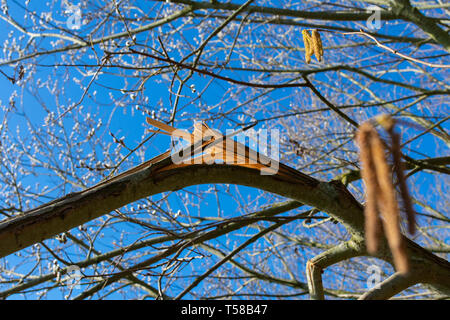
(307,41)
(373,228)
(389,205)
(388,123)
(317,45)
(399,171)
(381,200)
(369,177)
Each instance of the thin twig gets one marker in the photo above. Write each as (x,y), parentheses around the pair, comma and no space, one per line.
(433,65)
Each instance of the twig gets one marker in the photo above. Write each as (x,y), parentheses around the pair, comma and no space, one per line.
(212,74)
(433,65)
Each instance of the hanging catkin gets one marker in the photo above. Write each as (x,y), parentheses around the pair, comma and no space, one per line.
(399,169)
(313,45)
(307,41)
(373,223)
(388,123)
(381,200)
(317,45)
(389,205)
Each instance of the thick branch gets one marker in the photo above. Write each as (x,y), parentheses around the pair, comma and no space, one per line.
(315,266)
(405,10)
(391,286)
(316,15)
(75,209)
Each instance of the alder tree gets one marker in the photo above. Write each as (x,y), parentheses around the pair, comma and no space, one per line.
(348,99)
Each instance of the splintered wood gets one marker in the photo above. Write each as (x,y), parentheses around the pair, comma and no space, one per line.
(382,209)
(208,146)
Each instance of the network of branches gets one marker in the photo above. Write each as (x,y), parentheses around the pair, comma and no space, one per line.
(79,80)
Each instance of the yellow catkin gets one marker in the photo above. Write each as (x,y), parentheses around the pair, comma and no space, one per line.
(399,171)
(372,222)
(317,45)
(382,208)
(307,41)
(388,123)
(390,208)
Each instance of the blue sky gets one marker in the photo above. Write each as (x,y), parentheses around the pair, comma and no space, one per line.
(128,122)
